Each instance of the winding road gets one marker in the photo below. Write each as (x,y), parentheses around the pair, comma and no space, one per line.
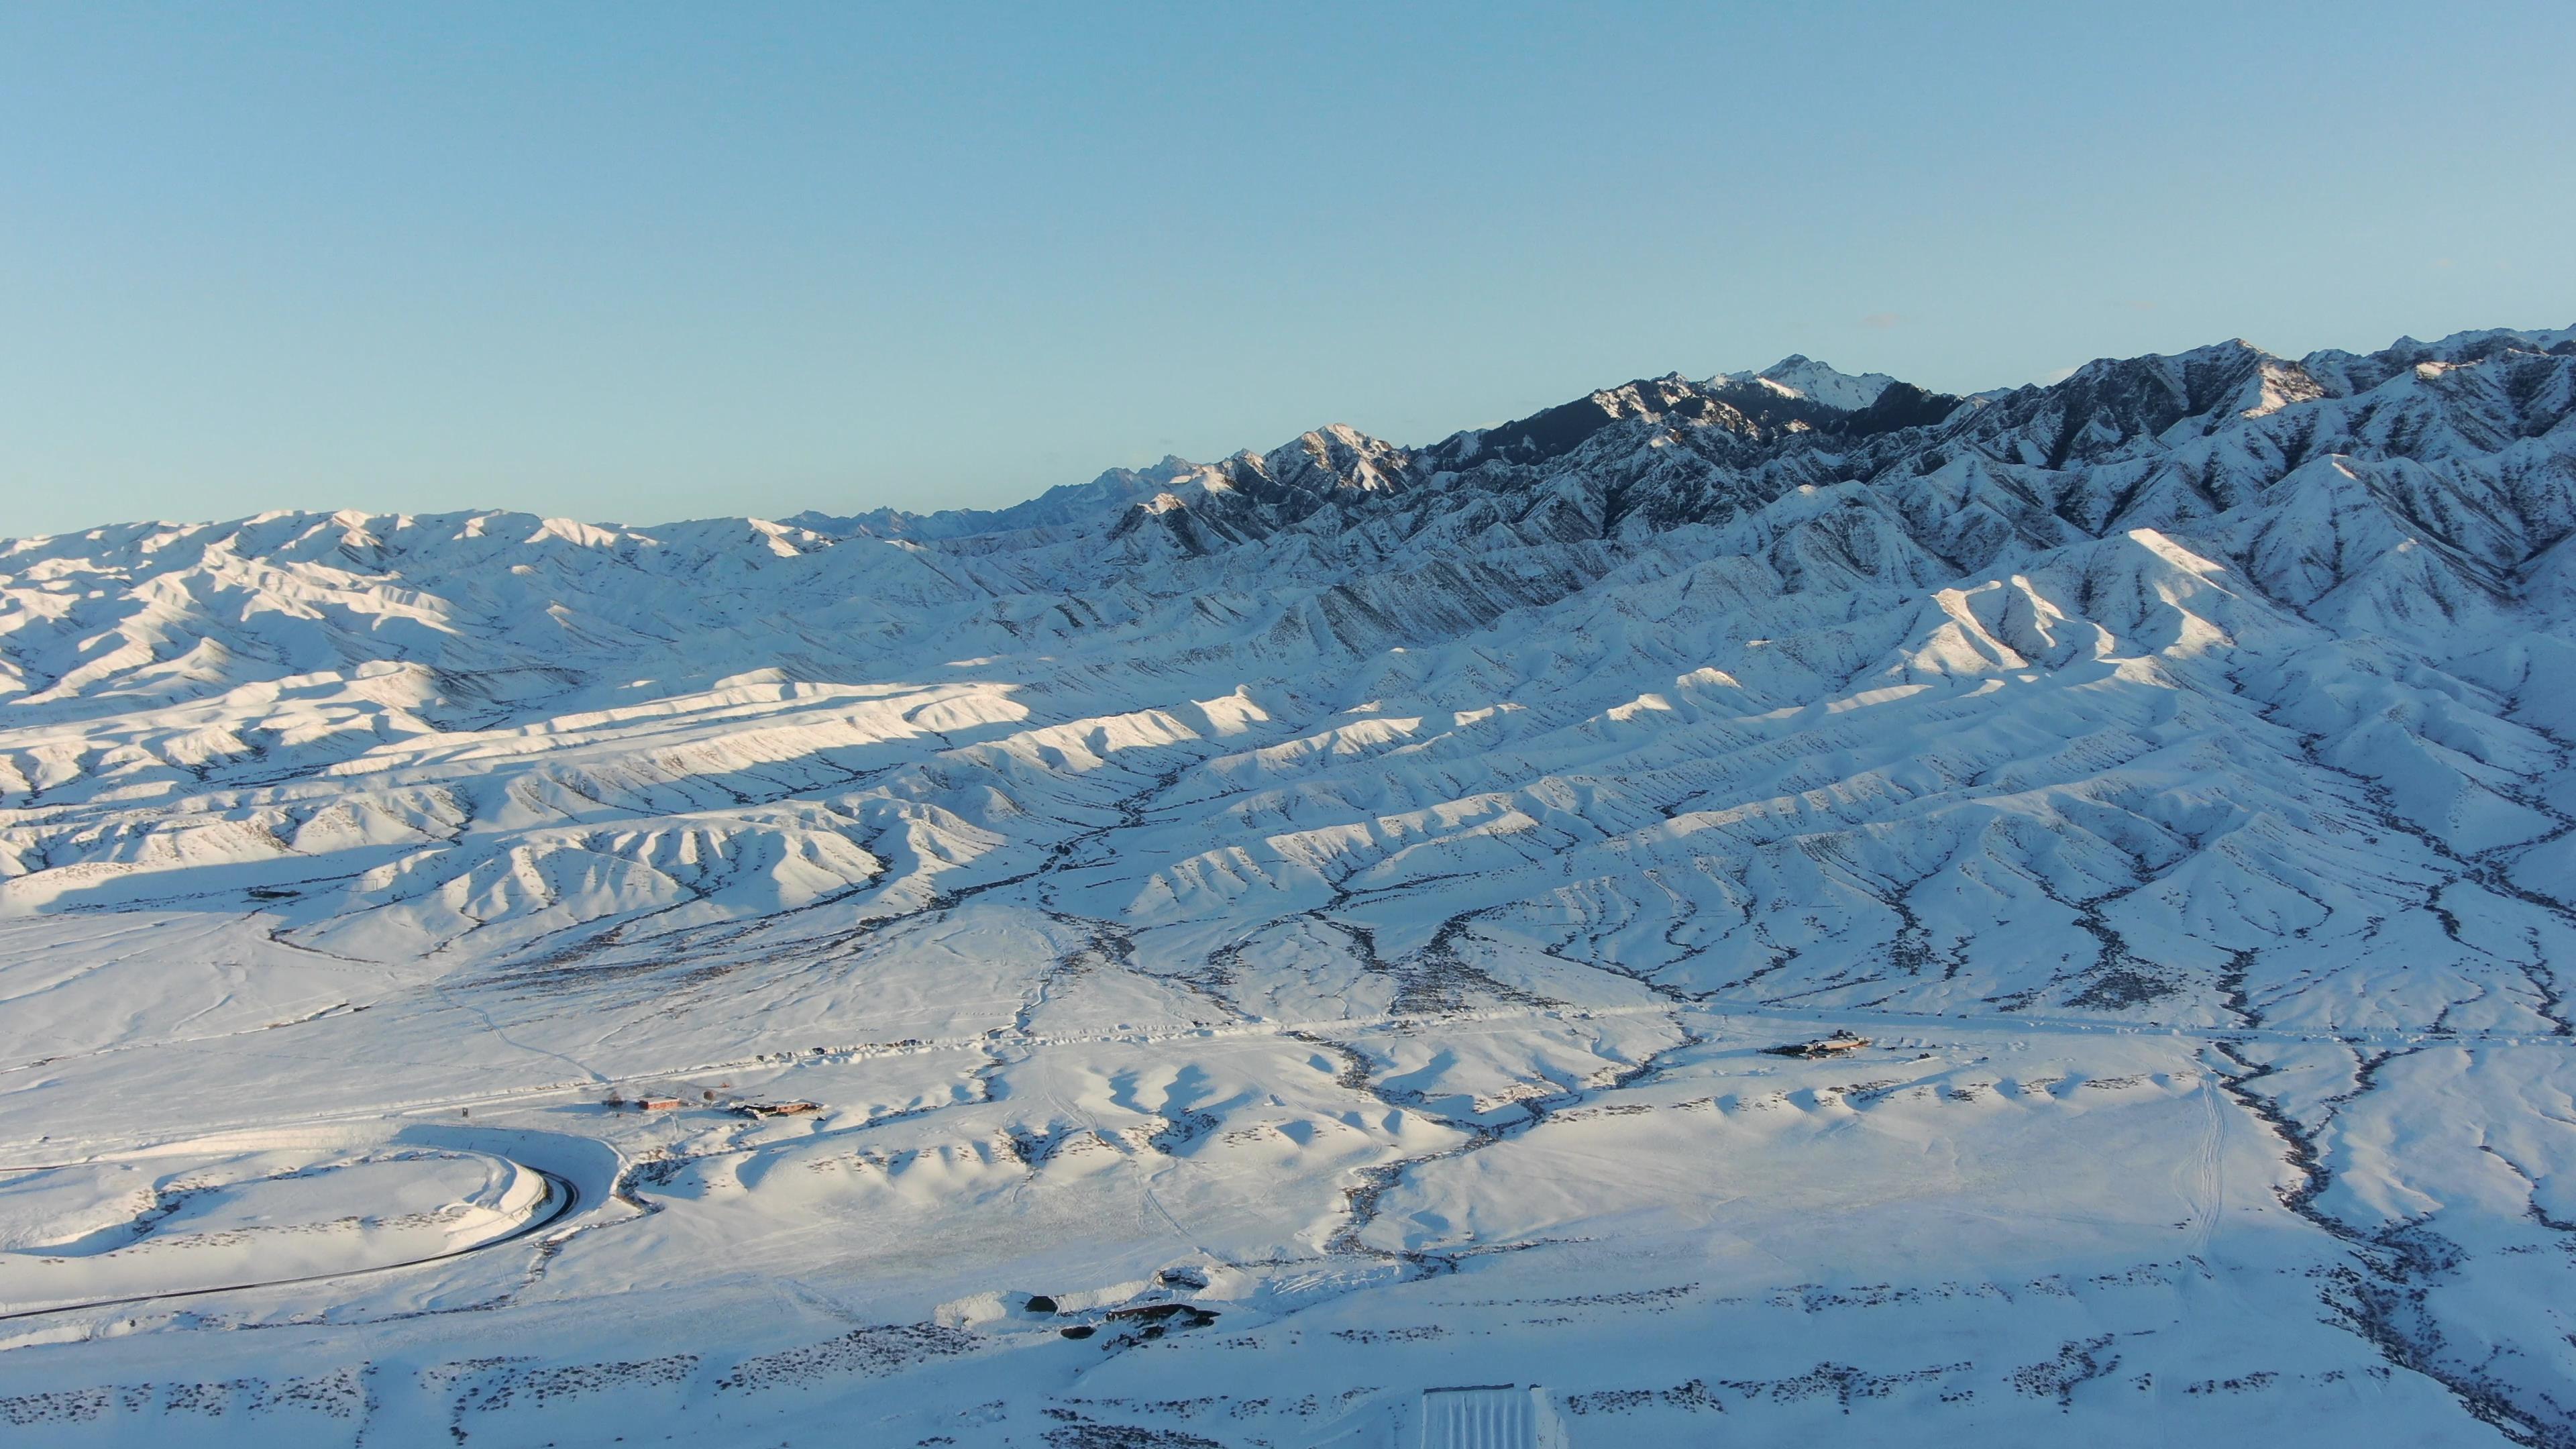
(563,1198)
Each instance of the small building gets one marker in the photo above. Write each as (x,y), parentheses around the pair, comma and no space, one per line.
(1835,1045)
(1823,1046)
(659,1104)
(1490,1416)
(777,1109)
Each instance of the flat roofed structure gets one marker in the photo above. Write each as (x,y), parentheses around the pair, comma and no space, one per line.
(1490,1416)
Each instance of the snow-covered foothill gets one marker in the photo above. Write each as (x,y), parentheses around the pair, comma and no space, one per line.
(1269,942)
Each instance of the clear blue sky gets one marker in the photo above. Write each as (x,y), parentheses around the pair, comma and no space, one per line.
(640,261)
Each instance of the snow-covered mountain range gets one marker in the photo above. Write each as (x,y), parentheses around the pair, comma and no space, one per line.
(1355,882)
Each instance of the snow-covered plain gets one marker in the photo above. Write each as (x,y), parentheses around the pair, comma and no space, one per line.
(1318,919)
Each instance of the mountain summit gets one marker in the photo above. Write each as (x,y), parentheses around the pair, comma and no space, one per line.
(1799,377)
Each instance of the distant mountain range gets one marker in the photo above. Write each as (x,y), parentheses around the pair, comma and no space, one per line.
(2201,621)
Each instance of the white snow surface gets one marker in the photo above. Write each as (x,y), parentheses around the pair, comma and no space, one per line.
(1316,923)
(1799,376)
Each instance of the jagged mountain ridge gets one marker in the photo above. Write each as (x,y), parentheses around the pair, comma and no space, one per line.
(1707,554)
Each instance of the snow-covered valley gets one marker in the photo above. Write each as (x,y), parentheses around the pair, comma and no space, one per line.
(1265,942)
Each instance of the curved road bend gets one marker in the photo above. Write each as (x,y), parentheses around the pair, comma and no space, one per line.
(562,1198)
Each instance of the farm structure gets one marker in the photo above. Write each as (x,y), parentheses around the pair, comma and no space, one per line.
(776,1109)
(1827,1046)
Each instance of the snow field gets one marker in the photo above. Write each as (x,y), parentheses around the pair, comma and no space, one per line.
(1318,921)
